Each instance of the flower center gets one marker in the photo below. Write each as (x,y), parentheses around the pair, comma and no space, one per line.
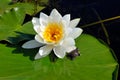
(53,32)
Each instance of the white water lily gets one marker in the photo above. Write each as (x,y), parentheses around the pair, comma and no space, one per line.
(55,33)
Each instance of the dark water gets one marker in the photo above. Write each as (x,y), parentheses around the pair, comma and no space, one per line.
(86,10)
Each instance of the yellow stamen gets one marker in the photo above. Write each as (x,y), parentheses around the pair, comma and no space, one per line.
(53,32)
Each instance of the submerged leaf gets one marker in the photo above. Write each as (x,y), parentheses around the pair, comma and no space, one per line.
(4,5)
(29,8)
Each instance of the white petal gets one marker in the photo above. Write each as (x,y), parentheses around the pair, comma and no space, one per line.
(38,56)
(70,48)
(43,16)
(43,19)
(35,21)
(39,39)
(66,18)
(45,50)
(36,24)
(68,42)
(59,51)
(31,44)
(67,31)
(37,28)
(74,22)
(75,32)
(55,15)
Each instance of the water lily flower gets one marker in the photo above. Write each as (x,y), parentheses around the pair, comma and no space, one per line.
(54,32)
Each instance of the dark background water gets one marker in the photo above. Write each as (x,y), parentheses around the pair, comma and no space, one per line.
(85,9)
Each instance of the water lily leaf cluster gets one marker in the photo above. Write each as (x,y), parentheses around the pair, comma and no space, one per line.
(12,18)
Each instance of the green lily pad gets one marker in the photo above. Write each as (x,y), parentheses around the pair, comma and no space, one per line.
(95,63)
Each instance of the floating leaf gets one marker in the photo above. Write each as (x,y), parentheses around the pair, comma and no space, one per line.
(95,63)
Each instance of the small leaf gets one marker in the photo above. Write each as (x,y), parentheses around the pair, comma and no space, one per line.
(11,27)
(10,22)
(26,32)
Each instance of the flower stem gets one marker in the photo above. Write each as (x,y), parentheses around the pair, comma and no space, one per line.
(103,26)
(101,21)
